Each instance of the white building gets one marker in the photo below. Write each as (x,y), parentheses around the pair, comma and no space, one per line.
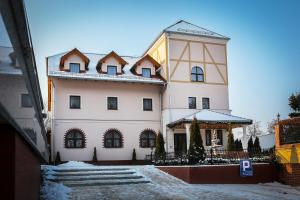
(118,103)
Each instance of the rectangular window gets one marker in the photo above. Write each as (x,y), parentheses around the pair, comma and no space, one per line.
(208,137)
(205,103)
(220,137)
(112,103)
(146,72)
(192,103)
(147,104)
(75,67)
(111,70)
(75,102)
(26,101)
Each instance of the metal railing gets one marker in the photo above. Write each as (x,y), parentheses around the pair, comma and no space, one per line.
(214,156)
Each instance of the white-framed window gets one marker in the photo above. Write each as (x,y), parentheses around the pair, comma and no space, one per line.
(205,103)
(146,72)
(192,103)
(75,67)
(197,74)
(111,70)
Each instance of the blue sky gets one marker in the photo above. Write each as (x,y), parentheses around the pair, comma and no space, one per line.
(263,53)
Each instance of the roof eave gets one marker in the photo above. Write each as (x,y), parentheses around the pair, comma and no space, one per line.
(207,36)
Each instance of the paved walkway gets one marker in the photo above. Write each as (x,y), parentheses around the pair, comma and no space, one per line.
(163,187)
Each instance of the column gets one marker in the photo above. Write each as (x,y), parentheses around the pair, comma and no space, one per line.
(187,130)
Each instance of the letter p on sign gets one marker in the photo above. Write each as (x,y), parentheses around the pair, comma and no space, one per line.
(246,168)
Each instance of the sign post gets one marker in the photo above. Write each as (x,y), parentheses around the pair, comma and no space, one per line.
(246,168)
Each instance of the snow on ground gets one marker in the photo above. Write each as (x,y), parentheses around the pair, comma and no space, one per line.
(51,190)
(164,186)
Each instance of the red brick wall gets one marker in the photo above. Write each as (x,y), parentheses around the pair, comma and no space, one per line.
(27,171)
(20,167)
(290,174)
(223,174)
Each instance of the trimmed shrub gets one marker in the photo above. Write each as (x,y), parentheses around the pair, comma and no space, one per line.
(196,150)
(57,158)
(95,159)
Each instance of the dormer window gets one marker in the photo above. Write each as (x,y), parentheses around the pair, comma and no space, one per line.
(146,72)
(74,61)
(75,67)
(112,70)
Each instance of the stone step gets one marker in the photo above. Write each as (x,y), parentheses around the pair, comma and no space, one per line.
(104,182)
(91,169)
(94,173)
(96,177)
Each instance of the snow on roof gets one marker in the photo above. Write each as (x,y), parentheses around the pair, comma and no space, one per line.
(6,66)
(210,116)
(188,28)
(92,73)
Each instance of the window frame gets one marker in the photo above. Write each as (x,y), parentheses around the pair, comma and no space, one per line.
(197,73)
(74,139)
(208,142)
(147,99)
(205,98)
(146,69)
(23,104)
(70,104)
(112,139)
(195,106)
(115,68)
(147,139)
(77,64)
(108,104)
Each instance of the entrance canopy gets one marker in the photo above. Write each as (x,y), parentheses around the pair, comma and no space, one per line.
(210,117)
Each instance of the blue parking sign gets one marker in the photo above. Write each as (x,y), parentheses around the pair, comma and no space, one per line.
(246,168)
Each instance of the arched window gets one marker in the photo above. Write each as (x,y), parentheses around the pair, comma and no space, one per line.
(197,74)
(74,138)
(147,139)
(113,139)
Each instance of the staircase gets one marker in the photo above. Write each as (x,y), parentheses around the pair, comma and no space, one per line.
(98,176)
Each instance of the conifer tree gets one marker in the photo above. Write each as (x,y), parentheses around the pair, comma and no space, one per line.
(230,141)
(293,103)
(57,158)
(133,155)
(240,146)
(196,149)
(236,145)
(95,159)
(250,146)
(160,146)
(257,148)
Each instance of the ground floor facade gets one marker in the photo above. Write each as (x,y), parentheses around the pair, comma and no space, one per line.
(116,140)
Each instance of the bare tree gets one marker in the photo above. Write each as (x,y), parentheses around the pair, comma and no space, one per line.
(254,129)
(271,126)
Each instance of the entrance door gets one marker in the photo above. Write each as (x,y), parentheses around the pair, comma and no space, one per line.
(180,144)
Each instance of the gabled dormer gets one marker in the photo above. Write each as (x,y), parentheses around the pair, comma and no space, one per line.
(74,61)
(111,64)
(145,67)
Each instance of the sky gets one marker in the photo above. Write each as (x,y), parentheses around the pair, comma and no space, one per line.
(263,53)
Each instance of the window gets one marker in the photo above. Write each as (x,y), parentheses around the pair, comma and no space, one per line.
(147,139)
(208,137)
(113,139)
(75,67)
(192,103)
(147,104)
(74,138)
(205,103)
(75,102)
(146,72)
(112,103)
(26,101)
(220,137)
(112,70)
(197,74)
